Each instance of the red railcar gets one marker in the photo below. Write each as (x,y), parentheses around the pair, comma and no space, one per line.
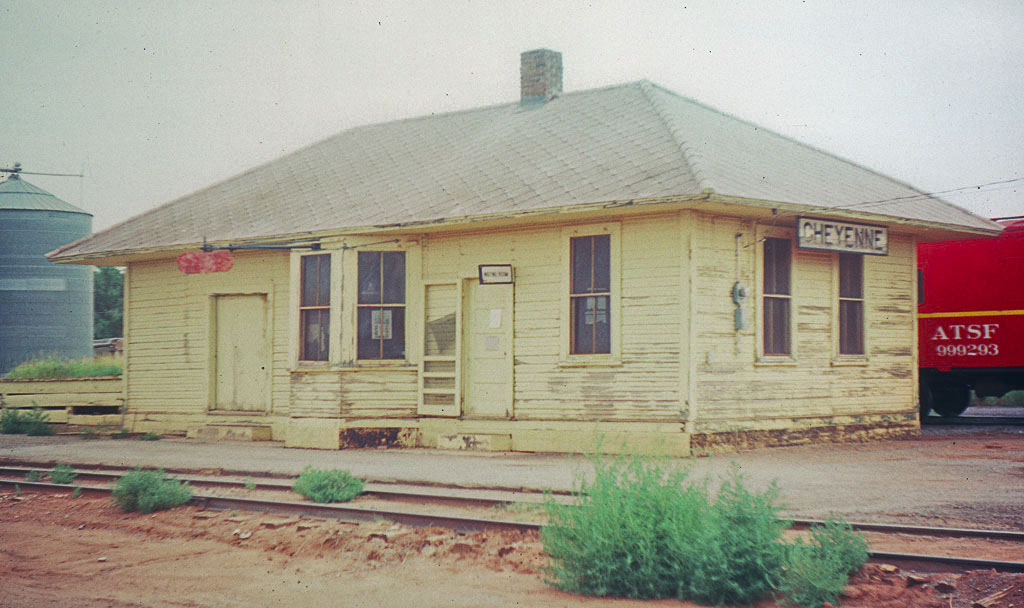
(971,319)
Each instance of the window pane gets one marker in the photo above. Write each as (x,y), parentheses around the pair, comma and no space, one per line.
(381,333)
(324,282)
(315,334)
(602,258)
(583,325)
(369,277)
(776,266)
(851,275)
(367,347)
(582,254)
(394,277)
(602,334)
(309,281)
(776,326)
(394,346)
(851,327)
(591,325)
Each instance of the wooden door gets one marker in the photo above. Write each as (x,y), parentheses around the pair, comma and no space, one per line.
(487,351)
(242,353)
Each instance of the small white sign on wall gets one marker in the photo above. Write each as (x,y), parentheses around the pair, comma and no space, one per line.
(495,274)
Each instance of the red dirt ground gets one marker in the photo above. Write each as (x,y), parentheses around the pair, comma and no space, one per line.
(59,551)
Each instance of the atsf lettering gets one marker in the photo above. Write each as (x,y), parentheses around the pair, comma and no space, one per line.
(972,331)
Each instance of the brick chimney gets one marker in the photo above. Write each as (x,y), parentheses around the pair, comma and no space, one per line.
(540,75)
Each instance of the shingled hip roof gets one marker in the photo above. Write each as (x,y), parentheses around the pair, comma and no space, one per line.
(625,142)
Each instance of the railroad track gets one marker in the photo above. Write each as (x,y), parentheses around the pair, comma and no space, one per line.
(973,421)
(431,494)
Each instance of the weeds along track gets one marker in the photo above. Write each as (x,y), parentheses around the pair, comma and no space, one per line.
(935,549)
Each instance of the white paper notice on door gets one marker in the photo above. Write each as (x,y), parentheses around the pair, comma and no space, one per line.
(495,319)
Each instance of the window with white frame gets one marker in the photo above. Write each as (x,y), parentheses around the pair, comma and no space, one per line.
(315,307)
(381,305)
(590,294)
(851,304)
(777,296)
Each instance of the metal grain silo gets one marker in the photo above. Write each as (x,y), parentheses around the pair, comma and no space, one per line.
(44,308)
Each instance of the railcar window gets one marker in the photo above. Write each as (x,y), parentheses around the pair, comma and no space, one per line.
(920,287)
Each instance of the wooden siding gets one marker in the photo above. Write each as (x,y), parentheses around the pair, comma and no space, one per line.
(678,358)
(645,384)
(315,394)
(378,393)
(168,351)
(60,396)
(735,389)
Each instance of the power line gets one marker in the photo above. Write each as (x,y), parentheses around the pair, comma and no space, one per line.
(927,194)
(922,195)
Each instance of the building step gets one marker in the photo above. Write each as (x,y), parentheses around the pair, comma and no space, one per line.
(482,442)
(231,432)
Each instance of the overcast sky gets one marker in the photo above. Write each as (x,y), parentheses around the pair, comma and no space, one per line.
(157,99)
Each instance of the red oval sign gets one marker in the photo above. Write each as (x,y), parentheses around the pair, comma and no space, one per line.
(202,262)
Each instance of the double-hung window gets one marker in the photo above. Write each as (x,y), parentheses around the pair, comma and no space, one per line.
(777,296)
(590,294)
(851,304)
(381,305)
(315,307)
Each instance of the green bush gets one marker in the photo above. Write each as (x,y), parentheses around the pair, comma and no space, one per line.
(121,434)
(817,572)
(148,491)
(149,437)
(55,367)
(33,475)
(641,530)
(737,552)
(63,473)
(36,423)
(11,421)
(328,486)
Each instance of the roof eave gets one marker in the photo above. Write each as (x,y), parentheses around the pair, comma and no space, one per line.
(110,256)
(115,257)
(792,209)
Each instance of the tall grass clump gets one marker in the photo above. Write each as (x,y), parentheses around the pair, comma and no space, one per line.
(644,530)
(818,570)
(63,473)
(328,486)
(56,367)
(11,421)
(33,422)
(36,422)
(148,491)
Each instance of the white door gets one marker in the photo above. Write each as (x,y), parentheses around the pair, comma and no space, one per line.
(487,351)
(242,352)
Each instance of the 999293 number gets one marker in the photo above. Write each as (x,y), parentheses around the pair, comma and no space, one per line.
(966,350)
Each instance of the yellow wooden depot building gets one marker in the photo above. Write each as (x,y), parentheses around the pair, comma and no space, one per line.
(622,264)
